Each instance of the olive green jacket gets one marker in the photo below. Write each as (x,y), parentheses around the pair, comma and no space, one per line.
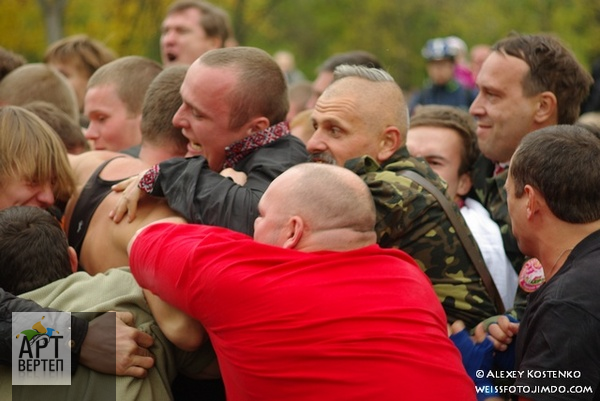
(411,219)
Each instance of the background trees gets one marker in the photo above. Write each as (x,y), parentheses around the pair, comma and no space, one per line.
(312,29)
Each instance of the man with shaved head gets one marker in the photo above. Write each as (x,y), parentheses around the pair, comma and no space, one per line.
(312,308)
(361,123)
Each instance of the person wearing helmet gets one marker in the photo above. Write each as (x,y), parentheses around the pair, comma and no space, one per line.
(441,87)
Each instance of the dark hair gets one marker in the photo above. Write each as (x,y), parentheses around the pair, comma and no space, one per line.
(161,102)
(33,249)
(456,119)
(552,67)
(213,19)
(561,162)
(83,52)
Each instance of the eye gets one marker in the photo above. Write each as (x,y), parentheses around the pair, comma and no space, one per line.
(491,95)
(33,183)
(192,110)
(434,161)
(336,132)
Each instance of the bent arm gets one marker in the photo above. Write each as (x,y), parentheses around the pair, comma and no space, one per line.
(174,261)
(203,196)
(181,329)
(9,303)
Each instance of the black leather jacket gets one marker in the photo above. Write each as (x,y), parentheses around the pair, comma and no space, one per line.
(203,196)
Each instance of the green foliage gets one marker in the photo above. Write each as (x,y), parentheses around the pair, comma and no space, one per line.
(395,31)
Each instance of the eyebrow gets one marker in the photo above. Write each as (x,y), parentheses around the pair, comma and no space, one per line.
(328,120)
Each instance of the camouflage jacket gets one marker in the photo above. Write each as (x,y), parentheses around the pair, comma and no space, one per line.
(493,197)
(411,219)
(492,194)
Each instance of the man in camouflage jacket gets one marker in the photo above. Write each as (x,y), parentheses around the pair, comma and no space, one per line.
(361,122)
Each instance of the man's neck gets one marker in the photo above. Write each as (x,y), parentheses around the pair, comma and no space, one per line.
(336,240)
(561,239)
(152,155)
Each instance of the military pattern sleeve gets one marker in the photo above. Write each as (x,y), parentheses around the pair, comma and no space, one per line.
(411,219)
(493,197)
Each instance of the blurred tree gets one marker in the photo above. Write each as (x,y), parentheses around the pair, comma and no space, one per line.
(53,12)
(312,30)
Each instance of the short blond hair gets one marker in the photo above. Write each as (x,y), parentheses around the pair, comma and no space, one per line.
(131,76)
(30,150)
(39,81)
(84,53)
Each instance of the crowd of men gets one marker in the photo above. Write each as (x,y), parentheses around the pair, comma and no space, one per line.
(395,249)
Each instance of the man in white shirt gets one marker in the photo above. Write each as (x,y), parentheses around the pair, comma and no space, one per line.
(445,137)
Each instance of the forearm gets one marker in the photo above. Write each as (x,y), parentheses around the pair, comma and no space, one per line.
(205,197)
(181,329)
(9,303)
(79,329)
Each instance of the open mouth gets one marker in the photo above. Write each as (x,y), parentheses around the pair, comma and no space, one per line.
(171,57)
(194,149)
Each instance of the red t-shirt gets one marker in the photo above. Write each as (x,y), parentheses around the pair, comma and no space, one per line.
(289,325)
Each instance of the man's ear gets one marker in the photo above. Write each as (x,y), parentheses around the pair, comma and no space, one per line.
(258,124)
(295,230)
(73,259)
(464,184)
(389,142)
(215,42)
(533,201)
(546,108)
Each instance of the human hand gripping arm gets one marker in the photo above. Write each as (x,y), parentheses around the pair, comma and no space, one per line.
(501,329)
(124,355)
(477,354)
(93,344)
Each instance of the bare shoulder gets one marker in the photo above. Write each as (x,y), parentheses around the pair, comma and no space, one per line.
(122,166)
